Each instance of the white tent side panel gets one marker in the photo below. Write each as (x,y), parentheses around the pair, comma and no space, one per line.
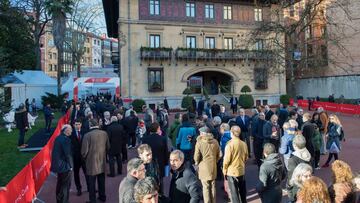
(20,93)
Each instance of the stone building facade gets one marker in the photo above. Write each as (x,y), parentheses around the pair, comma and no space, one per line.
(172,45)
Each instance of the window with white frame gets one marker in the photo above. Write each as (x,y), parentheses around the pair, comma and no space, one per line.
(190,9)
(154,7)
(191,42)
(210,42)
(154,41)
(209,11)
(227,12)
(258,14)
(228,43)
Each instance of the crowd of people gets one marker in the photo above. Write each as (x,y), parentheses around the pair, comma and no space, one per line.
(199,147)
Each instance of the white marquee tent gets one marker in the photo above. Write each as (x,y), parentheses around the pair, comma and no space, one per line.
(29,84)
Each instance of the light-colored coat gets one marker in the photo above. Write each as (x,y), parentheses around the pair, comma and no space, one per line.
(207,154)
(236,154)
(95,144)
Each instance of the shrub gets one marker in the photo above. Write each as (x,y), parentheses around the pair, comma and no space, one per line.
(285,99)
(245,89)
(187,91)
(54,100)
(186,102)
(246,101)
(138,104)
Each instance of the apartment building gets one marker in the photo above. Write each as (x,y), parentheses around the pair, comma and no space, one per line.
(171,45)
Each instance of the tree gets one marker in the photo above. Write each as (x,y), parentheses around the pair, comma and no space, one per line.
(296,32)
(81,21)
(58,11)
(16,46)
(38,19)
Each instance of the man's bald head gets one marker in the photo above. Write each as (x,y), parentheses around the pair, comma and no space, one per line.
(236,130)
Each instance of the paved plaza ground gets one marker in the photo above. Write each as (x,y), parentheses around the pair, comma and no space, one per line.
(350,153)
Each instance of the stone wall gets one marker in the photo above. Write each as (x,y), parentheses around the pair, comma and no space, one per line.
(324,86)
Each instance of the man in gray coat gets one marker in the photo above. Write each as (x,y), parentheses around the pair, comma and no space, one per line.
(270,176)
(94,147)
(135,171)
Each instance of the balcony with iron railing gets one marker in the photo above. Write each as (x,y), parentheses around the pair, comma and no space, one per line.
(160,53)
(221,54)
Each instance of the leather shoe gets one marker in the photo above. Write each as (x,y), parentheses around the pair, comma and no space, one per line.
(79,193)
(101,199)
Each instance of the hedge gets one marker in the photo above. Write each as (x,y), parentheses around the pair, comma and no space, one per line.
(138,104)
(285,99)
(246,101)
(186,102)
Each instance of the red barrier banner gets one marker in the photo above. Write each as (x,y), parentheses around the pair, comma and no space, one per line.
(317,104)
(21,188)
(3,196)
(303,103)
(331,106)
(41,167)
(348,108)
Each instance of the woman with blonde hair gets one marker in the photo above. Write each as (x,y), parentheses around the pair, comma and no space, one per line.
(333,137)
(302,173)
(342,189)
(314,190)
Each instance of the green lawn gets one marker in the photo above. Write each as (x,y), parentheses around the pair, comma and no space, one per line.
(11,159)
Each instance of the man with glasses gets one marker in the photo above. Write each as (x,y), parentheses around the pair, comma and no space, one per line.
(135,171)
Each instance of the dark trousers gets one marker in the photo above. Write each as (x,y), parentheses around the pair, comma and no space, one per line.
(246,138)
(48,124)
(124,152)
(112,159)
(101,187)
(331,155)
(316,158)
(234,109)
(132,139)
(62,187)
(237,186)
(77,165)
(258,150)
(21,137)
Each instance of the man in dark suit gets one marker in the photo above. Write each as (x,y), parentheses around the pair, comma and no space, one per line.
(243,121)
(117,136)
(234,104)
(49,116)
(215,109)
(21,120)
(268,113)
(62,163)
(200,107)
(76,140)
(159,148)
(130,124)
(76,113)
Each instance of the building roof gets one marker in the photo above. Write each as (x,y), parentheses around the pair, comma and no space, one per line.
(29,77)
(111,10)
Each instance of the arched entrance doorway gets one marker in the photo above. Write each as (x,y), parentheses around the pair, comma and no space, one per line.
(213,82)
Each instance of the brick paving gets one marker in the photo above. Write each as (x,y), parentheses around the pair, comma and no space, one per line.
(349,153)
